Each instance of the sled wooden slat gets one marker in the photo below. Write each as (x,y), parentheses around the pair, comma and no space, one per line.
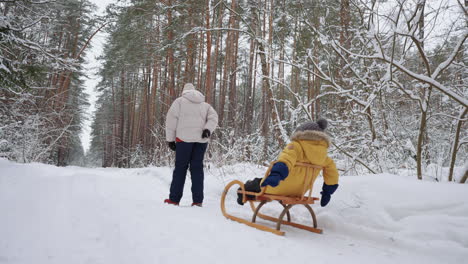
(248,193)
(308,228)
(255,225)
(274,219)
(286,201)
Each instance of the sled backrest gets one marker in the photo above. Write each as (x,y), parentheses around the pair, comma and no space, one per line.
(309,178)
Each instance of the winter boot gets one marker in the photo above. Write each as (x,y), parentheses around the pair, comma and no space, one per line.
(170,202)
(250,186)
(197,204)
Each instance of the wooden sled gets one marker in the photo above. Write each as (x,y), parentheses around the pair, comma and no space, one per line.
(286,201)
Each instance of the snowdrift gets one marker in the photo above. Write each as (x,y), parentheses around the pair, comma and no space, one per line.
(82,215)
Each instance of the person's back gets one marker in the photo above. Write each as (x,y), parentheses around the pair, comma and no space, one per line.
(188,116)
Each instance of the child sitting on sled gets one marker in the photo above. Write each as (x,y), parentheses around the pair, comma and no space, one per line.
(309,144)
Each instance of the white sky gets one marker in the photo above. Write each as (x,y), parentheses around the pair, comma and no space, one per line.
(92,66)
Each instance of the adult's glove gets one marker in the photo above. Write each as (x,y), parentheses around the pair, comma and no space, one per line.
(327,191)
(278,172)
(172,145)
(206,133)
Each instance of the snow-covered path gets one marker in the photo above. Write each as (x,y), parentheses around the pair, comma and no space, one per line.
(80,215)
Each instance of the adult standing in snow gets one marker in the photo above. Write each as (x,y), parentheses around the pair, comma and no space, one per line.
(190,122)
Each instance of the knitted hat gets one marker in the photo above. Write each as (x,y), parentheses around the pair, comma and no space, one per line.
(321,125)
(189,86)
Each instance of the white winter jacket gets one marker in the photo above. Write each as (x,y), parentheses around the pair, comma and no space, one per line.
(189,115)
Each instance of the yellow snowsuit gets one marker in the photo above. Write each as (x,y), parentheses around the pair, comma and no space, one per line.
(310,147)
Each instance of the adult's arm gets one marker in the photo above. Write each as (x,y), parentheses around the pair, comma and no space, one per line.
(211,119)
(171,121)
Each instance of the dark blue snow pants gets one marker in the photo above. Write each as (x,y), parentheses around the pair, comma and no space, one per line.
(188,154)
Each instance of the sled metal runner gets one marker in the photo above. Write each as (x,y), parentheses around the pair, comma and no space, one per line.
(287,202)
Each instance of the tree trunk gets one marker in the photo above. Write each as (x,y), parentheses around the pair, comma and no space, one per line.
(419,147)
(122,120)
(113,133)
(190,47)
(465,176)
(170,54)
(153,103)
(281,84)
(248,98)
(233,78)
(461,118)
(208,85)
(218,48)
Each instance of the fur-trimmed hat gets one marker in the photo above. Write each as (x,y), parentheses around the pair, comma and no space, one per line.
(312,131)
(320,125)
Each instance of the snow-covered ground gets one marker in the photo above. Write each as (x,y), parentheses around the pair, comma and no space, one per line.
(82,215)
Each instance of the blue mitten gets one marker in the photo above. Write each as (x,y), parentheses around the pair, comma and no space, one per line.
(327,191)
(278,172)
(273,180)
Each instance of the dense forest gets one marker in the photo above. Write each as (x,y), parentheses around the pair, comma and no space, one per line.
(42,45)
(390,76)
